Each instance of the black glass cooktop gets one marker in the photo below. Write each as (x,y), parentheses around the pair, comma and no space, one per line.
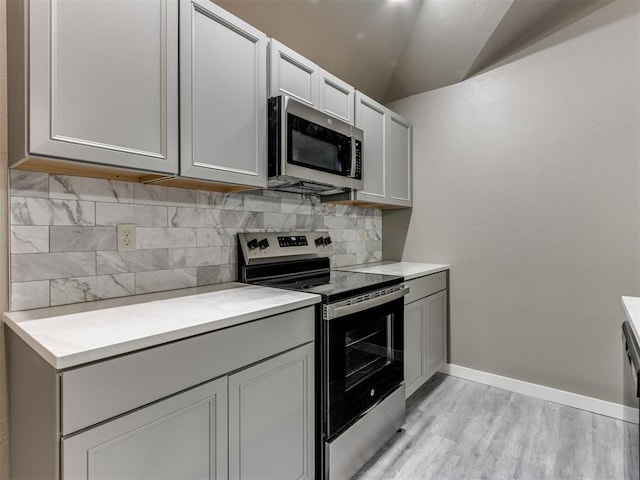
(335,285)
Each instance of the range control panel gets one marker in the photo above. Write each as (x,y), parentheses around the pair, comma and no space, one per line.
(264,245)
(293,241)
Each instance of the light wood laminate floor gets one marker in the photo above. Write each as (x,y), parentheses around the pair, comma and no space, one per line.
(461,430)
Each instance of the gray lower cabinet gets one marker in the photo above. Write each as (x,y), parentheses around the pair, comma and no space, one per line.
(271,418)
(83,89)
(233,403)
(415,333)
(265,430)
(184,436)
(436,332)
(425,329)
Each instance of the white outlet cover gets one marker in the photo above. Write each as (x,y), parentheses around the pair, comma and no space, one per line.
(126,237)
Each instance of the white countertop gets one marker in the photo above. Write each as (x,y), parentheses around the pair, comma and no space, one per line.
(71,335)
(408,270)
(632,309)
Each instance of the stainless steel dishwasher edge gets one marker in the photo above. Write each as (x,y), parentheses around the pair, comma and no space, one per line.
(631,383)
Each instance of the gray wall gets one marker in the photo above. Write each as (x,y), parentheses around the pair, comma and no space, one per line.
(63,235)
(526,180)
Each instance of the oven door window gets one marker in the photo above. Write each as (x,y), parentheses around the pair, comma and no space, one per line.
(313,146)
(368,350)
(365,362)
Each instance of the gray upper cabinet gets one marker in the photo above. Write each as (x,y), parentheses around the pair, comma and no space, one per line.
(371,117)
(399,160)
(296,76)
(293,75)
(87,85)
(336,97)
(387,154)
(223,91)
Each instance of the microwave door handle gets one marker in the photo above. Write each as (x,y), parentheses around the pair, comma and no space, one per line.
(337,312)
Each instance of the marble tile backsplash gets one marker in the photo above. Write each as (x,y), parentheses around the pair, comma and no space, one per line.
(63,235)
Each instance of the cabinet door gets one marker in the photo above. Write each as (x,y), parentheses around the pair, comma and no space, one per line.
(223,88)
(271,419)
(293,75)
(184,436)
(371,118)
(399,160)
(436,332)
(336,97)
(102,89)
(415,355)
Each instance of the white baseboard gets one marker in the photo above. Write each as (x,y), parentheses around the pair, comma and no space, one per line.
(590,404)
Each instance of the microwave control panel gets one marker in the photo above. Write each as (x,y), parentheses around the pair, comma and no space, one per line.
(357,173)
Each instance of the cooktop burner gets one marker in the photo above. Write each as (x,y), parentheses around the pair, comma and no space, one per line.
(300,261)
(334,285)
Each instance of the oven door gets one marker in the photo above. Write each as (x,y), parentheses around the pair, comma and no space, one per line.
(364,362)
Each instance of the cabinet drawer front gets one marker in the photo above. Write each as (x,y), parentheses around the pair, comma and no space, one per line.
(425,286)
(103,390)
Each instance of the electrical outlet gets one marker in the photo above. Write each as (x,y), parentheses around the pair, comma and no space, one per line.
(126,237)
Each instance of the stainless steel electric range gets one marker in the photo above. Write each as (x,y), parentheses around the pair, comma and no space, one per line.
(359,343)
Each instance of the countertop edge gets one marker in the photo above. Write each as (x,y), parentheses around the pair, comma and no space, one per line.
(49,357)
(131,346)
(379,267)
(430,272)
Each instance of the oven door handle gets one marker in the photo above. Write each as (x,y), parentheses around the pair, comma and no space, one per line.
(337,312)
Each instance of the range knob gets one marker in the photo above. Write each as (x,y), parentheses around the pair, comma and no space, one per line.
(319,242)
(264,243)
(252,244)
(327,240)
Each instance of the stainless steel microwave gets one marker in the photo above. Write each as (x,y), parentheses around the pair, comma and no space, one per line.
(310,151)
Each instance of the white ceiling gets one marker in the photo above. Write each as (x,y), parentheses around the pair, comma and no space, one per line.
(390,49)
